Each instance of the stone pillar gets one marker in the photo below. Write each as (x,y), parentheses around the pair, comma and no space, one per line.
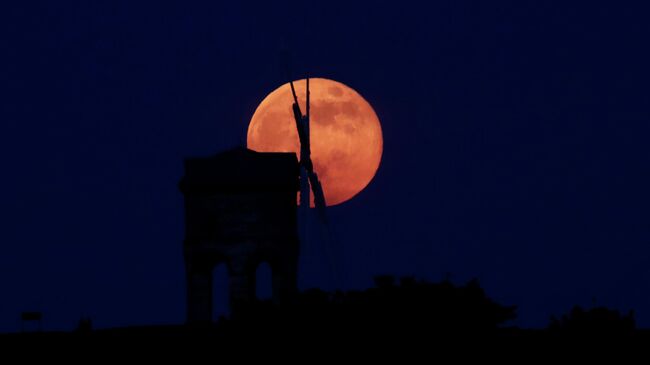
(242,285)
(199,295)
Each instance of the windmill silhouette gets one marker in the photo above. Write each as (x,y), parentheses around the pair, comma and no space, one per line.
(308,176)
(309,183)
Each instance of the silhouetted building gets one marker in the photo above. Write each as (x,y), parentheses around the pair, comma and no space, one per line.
(240,209)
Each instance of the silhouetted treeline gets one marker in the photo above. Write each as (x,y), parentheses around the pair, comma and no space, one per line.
(595,321)
(393,307)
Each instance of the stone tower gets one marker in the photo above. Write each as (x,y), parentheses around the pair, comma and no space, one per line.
(240,209)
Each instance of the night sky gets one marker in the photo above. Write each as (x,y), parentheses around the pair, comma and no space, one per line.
(515,146)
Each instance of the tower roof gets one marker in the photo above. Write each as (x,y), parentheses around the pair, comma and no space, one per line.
(241,169)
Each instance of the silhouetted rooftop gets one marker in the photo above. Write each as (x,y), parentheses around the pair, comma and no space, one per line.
(241,169)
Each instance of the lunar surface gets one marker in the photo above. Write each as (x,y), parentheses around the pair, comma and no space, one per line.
(346,136)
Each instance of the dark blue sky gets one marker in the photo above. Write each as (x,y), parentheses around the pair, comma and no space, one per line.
(515,145)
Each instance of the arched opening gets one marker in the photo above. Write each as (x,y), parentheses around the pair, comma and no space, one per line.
(263,282)
(220,292)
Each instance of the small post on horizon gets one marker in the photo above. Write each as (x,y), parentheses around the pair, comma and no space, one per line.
(31,317)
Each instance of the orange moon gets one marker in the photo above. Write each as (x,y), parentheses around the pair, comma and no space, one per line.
(346,137)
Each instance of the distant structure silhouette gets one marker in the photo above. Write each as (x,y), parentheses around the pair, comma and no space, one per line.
(240,209)
(31,317)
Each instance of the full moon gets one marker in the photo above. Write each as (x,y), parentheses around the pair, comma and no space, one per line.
(346,138)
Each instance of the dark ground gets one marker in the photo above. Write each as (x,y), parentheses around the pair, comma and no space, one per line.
(406,316)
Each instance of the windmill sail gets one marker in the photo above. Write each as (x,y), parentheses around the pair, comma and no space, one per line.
(302,125)
(309,178)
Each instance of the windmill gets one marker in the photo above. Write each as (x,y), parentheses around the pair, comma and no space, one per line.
(309,182)
(308,176)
